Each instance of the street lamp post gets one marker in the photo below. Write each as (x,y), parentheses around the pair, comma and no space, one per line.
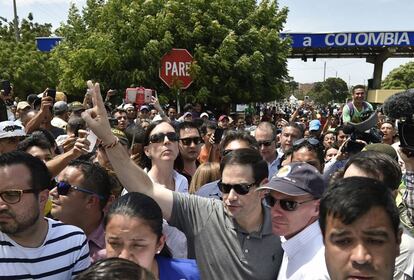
(16,22)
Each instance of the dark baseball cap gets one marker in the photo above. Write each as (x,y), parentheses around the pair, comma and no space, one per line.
(298,178)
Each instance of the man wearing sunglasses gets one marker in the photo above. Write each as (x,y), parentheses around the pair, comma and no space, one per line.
(232,140)
(308,150)
(265,135)
(32,246)
(85,188)
(293,195)
(190,146)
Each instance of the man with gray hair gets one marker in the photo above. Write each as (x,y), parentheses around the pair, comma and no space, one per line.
(265,135)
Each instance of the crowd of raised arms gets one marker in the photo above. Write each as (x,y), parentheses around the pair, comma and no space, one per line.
(91,189)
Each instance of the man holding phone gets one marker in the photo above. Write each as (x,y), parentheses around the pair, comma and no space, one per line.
(44,116)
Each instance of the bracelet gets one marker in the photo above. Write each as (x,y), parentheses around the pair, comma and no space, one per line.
(113,144)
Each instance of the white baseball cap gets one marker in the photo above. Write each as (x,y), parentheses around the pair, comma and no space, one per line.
(11,129)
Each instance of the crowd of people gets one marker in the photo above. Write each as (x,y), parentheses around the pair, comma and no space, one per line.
(94,190)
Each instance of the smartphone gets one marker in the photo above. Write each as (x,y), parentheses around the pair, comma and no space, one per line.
(218,134)
(6,87)
(51,92)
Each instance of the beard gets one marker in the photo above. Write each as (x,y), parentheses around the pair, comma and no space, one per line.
(18,224)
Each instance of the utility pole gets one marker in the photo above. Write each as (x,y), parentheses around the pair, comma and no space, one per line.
(16,22)
(324,71)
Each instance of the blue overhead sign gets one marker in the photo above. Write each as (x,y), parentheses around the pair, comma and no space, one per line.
(46,44)
(351,39)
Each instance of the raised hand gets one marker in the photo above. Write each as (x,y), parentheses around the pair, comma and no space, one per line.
(96,117)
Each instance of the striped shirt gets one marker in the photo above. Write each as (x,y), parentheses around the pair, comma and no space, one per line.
(63,254)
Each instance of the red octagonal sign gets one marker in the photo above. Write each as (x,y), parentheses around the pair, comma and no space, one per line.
(175,68)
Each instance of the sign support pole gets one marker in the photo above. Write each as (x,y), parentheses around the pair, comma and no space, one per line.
(178,102)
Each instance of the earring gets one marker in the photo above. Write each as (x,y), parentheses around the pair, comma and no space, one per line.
(158,251)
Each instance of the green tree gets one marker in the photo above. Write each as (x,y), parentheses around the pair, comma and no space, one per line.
(29,70)
(239,56)
(332,89)
(400,78)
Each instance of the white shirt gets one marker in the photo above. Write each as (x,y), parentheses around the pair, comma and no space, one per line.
(404,263)
(304,256)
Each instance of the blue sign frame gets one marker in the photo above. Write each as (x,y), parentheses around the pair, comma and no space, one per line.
(351,39)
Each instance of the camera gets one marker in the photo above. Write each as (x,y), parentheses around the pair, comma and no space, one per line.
(366,131)
(400,107)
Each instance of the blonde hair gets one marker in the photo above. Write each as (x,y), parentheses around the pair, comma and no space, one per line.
(205,173)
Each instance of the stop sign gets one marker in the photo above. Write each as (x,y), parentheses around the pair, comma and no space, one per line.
(175,67)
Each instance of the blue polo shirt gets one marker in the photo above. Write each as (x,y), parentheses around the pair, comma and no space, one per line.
(177,269)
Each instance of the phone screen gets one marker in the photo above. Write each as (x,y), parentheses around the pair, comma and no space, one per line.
(218,134)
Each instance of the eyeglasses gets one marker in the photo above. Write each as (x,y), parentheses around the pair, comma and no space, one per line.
(159,137)
(285,204)
(64,187)
(312,141)
(265,143)
(188,141)
(241,189)
(14,196)
(226,152)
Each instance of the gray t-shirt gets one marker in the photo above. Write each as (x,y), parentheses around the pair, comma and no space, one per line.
(223,250)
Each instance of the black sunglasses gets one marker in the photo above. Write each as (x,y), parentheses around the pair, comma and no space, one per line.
(312,141)
(14,196)
(241,189)
(188,141)
(64,187)
(285,204)
(265,143)
(160,137)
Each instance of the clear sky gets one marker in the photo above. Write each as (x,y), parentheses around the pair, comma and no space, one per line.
(304,16)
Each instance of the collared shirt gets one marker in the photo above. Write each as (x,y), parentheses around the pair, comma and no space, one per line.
(280,153)
(304,256)
(273,167)
(210,190)
(409,193)
(96,242)
(222,248)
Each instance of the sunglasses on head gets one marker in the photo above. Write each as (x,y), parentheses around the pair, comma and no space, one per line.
(285,204)
(14,196)
(312,141)
(64,187)
(160,137)
(265,143)
(188,141)
(241,189)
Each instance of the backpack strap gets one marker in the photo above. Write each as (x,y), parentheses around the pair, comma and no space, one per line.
(352,108)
